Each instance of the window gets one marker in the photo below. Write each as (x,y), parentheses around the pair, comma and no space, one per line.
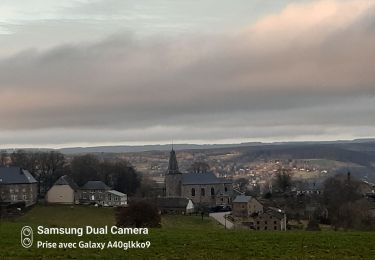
(24,197)
(265,222)
(275,222)
(203,192)
(212,191)
(225,189)
(275,228)
(265,228)
(192,192)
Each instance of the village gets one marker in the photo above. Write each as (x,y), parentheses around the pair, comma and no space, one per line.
(281,204)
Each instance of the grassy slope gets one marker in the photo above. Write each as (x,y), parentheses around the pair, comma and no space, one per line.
(182,237)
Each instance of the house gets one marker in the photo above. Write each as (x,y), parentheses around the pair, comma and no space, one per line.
(175,205)
(245,206)
(64,191)
(17,185)
(202,188)
(94,192)
(310,188)
(115,198)
(97,192)
(270,219)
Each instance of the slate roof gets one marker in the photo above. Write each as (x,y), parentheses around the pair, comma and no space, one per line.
(173,165)
(202,178)
(117,193)
(175,202)
(278,213)
(66,180)
(242,199)
(95,185)
(15,175)
(311,185)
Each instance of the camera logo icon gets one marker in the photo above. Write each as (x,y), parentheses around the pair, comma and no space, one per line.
(26,237)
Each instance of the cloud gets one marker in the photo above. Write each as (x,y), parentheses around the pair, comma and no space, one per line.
(305,71)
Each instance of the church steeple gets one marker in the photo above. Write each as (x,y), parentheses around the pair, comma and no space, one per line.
(173,165)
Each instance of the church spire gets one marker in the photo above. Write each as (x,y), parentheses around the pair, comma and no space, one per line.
(173,165)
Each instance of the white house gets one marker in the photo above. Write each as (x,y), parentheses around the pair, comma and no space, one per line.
(115,198)
(64,191)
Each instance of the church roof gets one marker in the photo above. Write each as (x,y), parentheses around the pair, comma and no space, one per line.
(201,178)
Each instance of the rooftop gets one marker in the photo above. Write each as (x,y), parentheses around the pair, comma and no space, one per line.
(15,175)
(202,178)
(242,199)
(66,180)
(95,185)
(117,193)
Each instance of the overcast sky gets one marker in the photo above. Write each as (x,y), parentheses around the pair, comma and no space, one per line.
(108,72)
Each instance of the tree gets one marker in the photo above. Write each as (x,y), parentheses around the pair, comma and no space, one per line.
(346,208)
(138,214)
(199,167)
(50,166)
(3,158)
(46,167)
(149,188)
(283,180)
(242,184)
(85,168)
(25,160)
(117,173)
(125,178)
(313,225)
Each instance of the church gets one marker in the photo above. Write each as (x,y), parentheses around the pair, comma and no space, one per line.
(204,188)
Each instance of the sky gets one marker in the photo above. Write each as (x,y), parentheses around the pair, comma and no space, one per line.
(114,72)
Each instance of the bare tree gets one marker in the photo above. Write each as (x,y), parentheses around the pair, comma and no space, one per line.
(283,180)
(346,206)
(199,167)
(4,158)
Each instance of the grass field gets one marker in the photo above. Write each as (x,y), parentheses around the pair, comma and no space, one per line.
(181,237)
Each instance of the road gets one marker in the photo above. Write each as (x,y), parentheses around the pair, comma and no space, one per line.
(219,217)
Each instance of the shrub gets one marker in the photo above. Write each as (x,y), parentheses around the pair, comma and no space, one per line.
(138,214)
(313,225)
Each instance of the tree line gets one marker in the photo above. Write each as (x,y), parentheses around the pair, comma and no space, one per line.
(48,166)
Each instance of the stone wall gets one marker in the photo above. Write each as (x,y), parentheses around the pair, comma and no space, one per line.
(207,194)
(12,193)
(173,185)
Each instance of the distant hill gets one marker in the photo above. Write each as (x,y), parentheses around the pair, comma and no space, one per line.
(358,144)
(145,148)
